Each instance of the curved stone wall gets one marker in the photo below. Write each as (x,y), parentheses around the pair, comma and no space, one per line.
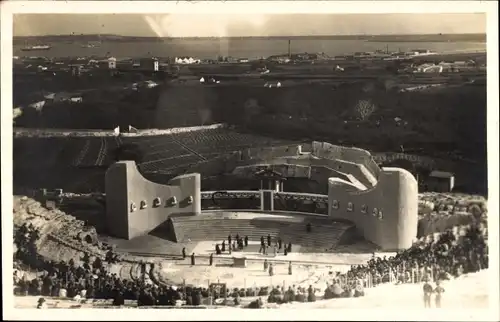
(386,215)
(135,206)
(349,154)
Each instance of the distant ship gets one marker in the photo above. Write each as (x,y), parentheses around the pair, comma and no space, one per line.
(91,45)
(36,48)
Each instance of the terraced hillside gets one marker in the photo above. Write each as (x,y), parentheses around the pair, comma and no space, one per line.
(62,235)
(79,164)
(165,154)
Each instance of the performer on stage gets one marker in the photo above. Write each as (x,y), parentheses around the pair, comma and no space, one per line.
(262,245)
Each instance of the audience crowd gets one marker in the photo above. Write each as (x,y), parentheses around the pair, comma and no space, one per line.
(426,261)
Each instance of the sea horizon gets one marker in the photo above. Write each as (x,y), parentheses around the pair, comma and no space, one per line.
(476,36)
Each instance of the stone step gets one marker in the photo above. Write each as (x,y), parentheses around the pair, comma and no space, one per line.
(253,231)
(241,222)
(327,238)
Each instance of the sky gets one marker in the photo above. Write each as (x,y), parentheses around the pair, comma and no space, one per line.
(211,25)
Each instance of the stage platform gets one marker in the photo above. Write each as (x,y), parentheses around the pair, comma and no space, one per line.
(202,233)
(156,247)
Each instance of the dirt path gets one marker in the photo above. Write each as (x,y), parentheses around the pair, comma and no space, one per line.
(20,132)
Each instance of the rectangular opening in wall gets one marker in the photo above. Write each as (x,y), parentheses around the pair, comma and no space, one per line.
(267,200)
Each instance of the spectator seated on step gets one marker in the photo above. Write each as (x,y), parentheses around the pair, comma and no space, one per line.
(329,292)
(358,290)
(257,304)
(300,296)
(264,291)
(289,295)
(275,296)
(237,300)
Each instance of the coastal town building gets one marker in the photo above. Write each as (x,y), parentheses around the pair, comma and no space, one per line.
(441,181)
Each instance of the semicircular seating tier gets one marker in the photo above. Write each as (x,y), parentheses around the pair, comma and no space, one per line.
(325,233)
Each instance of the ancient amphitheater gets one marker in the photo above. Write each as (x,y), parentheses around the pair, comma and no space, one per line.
(186,193)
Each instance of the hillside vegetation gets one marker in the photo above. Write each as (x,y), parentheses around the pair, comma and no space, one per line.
(362,113)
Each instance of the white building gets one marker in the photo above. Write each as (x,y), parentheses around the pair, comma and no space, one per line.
(150,84)
(441,181)
(76,99)
(429,68)
(433,69)
(186,60)
(112,63)
(272,84)
(50,96)
(37,105)
(420,52)
(16,112)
